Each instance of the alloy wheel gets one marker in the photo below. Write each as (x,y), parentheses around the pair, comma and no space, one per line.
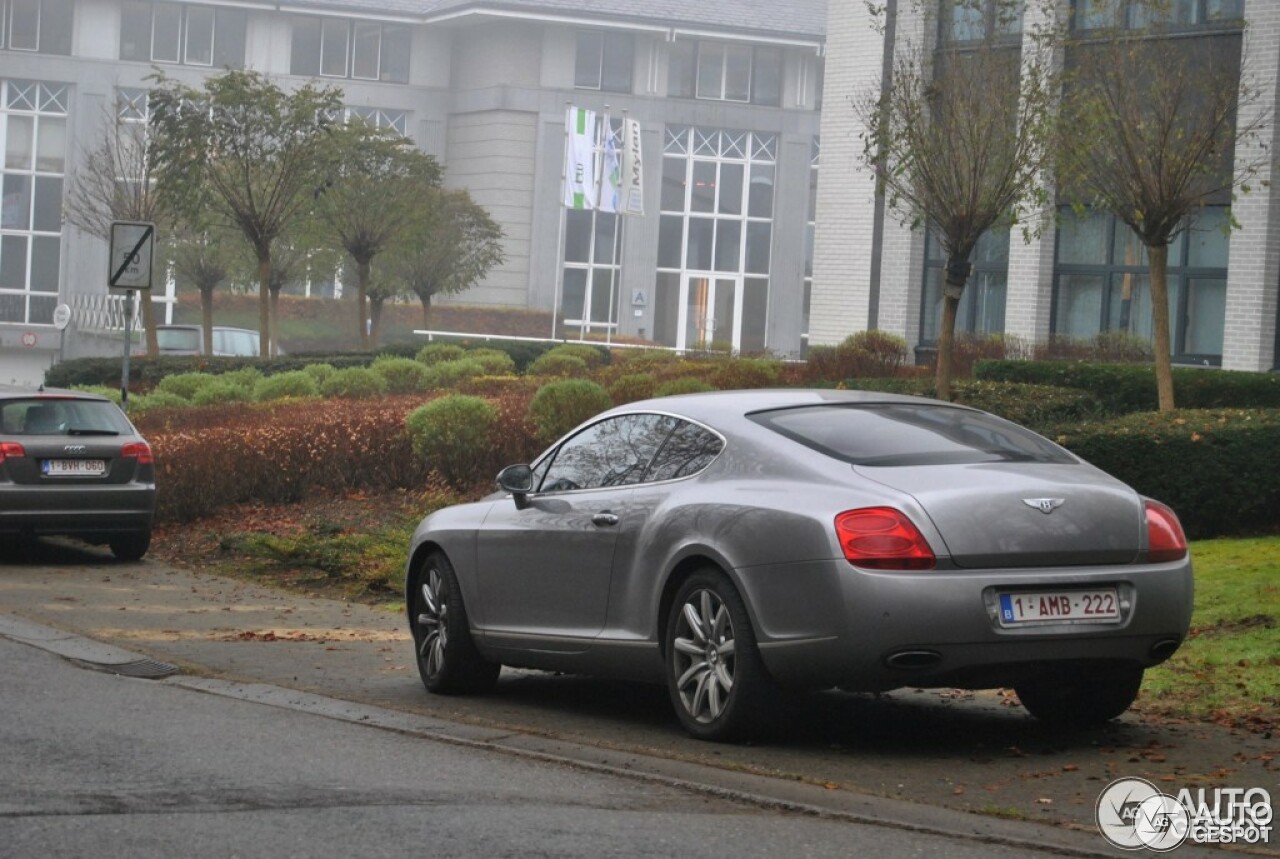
(704,656)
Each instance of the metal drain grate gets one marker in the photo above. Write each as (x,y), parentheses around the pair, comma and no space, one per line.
(144,669)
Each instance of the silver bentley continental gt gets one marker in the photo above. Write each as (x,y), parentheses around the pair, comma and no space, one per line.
(731,545)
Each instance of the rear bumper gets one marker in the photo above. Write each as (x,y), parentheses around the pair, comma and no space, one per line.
(875,631)
(76,511)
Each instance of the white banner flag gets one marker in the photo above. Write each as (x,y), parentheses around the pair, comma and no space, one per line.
(632,189)
(610,172)
(580,177)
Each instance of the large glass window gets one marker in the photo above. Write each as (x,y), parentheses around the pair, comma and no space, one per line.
(339,48)
(36,25)
(722,71)
(604,61)
(589,295)
(977,20)
(981,309)
(33,132)
(182,33)
(1102,282)
(1142,14)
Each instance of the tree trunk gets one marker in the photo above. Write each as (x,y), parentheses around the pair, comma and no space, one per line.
(149,323)
(375,321)
(1159,260)
(362,293)
(275,320)
(957,276)
(206,318)
(426,310)
(266,335)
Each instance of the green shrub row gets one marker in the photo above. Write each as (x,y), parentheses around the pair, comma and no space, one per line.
(1127,388)
(1215,467)
(1035,406)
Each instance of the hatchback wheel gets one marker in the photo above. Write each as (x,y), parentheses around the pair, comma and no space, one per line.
(130,547)
(1081,696)
(447,656)
(716,679)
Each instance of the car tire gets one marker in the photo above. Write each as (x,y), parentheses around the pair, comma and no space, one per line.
(130,547)
(1081,696)
(448,660)
(716,679)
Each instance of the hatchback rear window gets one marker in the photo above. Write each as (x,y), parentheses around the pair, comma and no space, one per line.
(52,416)
(896,434)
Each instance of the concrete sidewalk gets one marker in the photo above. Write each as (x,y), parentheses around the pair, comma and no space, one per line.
(925,760)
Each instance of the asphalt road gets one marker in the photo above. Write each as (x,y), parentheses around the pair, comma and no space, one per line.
(922,760)
(99,765)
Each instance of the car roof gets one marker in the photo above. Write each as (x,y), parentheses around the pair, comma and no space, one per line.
(13,392)
(715,407)
(185,326)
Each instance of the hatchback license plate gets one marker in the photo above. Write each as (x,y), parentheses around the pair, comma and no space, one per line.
(75,467)
(1033,606)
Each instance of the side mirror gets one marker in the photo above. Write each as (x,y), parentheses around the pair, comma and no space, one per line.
(518,480)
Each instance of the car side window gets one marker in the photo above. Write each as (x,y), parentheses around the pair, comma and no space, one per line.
(614,452)
(688,450)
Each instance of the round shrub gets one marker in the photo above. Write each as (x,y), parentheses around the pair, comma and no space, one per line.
(449,374)
(220,390)
(739,373)
(353,383)
(402,375)
(294,383)
(495,361)
(112,394)
(560,406)
(156,400)
(558,364)
(245,377)
(592,356)
(632,387)
(453,435)
(184,385)
(434,353)
(683,385)
(319,372)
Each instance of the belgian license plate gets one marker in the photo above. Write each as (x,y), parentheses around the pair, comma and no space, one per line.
(1039,606)
(74,467)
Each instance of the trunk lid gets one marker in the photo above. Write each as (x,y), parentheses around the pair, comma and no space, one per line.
(1024,514)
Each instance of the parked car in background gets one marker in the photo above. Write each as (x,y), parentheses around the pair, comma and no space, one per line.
(189,340)
(734,544)
(72,464)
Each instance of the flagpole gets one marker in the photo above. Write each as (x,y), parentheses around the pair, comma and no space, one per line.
(560,226)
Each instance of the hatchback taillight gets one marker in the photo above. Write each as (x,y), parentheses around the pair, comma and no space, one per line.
(138,450)
(1165,540)
(882,538)
(11,450)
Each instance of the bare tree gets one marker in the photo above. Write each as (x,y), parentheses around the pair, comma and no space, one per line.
(376,180)
(451,244)
(113,182)
(1151,125)
(959,137)
(205,259)
(244,153)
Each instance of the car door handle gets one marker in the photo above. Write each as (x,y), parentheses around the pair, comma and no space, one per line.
(604,519)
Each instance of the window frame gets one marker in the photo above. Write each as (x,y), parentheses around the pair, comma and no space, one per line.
(690,58)
(1128,13)
(321,35)
(609,43)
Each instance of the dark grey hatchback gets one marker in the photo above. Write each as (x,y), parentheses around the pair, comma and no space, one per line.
(72,464)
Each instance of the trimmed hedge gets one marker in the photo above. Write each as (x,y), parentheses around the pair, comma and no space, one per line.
(1127,388)
(560,406)
(1216,468)
(1031,405)
(453,435)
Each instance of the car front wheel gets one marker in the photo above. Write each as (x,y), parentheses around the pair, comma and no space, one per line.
(448,660)
(1081,696)
(716,679)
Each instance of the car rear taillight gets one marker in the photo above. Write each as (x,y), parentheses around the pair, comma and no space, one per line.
(1165,540)
(11,450)
(882,538)
(138,450)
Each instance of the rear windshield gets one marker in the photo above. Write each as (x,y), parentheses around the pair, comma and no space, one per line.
(185,339)
(49,416)
(894,434)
